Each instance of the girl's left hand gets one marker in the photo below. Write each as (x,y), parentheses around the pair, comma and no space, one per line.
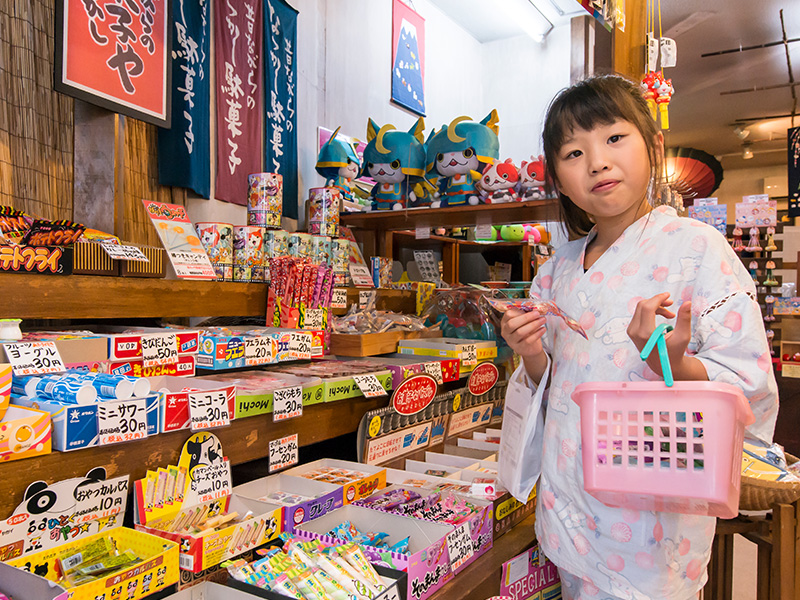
(643,324)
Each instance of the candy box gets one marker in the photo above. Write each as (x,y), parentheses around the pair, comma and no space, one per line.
(173,401)
(73,347)
(321,497)
(363,479)
(24,432)
(403,367)
(469,352)
(417,466)
(530,576)
(18,583)
(73,426)
(427,562)
(185,367)
(5,387)
(127,345)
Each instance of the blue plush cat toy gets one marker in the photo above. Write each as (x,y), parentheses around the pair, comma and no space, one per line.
(396,160)
(338,163)
(456,155)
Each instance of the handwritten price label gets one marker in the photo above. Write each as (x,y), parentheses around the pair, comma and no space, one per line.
(339,298)
(361,275)
(365,297)
(459,546)
(34,358)
(434,369)
(122,421)
(209,409)
(469,356)
(369,385)
(422,233)
(300,345)
(287,403)
(283,453)
(314,318)
(119,252)
(159,349)
(258,351)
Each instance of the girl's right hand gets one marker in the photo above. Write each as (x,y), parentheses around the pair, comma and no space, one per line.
(523,332)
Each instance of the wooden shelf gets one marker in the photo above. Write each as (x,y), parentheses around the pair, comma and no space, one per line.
(245,440)
(449,240)
(462,216)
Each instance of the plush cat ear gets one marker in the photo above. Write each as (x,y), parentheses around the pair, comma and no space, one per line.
(418,130)
(333,137)
(372,130)
(508,160)
(491,120)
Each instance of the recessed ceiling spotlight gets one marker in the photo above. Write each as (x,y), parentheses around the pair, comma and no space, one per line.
(747,151)
(741,132)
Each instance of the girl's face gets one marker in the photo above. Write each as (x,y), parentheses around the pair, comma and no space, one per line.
(605,171)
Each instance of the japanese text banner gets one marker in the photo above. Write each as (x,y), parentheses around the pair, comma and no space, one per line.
(238,27)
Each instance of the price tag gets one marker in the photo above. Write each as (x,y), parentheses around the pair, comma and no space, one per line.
(314,318)
(34,358)
(300,345)
(652,51)
(362,276)
(283,453)
(705,201)
(159,349)
(756,198)
(669,53)
(469,355)
(339,299)
(365,296)
(118,252)
(459,546)
(483,232)
(287,403)
(122,421)
(369,385)
(422,233)
(434,369)
(258,351)
(209,409)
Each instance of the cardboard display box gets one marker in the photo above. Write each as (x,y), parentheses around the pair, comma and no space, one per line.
(185,367)
(24,432)
(220,352)
(173,401)
(366,486)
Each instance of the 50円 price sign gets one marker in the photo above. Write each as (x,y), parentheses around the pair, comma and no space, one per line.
(287,403)
(209,409)
(369,385)
(459,546)
(258,351)
(339,298)
(283,453)
(34,358)
(122,421)
(159,349)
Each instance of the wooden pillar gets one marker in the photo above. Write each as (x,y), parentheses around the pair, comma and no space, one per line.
(94,167)
(628,46)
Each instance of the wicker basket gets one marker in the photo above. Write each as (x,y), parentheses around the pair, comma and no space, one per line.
(757,494)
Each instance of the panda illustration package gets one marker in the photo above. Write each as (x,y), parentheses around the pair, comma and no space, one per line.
(192,504)
(53,531)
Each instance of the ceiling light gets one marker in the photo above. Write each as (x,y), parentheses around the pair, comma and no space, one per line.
(741,132)
(747,151)
(528,17)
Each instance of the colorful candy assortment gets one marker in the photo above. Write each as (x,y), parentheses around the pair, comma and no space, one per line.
(295,281)
(334,475)
(92,561)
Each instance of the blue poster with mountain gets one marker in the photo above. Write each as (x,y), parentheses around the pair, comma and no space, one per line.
(407,68)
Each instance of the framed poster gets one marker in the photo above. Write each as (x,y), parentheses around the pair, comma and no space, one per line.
(408,58)
(116,55)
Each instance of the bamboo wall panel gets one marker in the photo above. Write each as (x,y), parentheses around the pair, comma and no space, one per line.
(36,123)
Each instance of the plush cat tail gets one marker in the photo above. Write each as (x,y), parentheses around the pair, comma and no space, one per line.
(418,130)
(491,121)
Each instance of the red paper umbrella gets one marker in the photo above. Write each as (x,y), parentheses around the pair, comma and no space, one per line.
(692,173)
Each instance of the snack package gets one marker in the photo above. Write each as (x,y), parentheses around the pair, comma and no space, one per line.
(766,462)
(545,307)
(53,233)
(13,225)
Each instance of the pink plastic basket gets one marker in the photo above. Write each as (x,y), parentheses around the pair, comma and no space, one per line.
(677,449)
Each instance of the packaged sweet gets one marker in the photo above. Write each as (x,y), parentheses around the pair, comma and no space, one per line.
(53,233)
(544,307)
(13,225)
(766,462)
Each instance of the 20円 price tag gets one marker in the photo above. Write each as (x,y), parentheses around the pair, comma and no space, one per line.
(369,385)
(209,409)
(469,356)
(434,369)
(339,298)
(287,403)
(122,421)
(459,546)
(258,351)
(159,349)
(283,453)
(34,358)
(300,345)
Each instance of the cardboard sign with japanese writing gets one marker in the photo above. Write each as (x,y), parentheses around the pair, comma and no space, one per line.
(180,240)
(116,55)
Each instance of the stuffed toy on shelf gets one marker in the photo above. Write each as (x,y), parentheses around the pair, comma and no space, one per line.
(339,164)
(532,179)
(498,182)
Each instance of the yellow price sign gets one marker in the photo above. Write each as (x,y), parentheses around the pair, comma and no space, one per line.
(456,402)
(374,426)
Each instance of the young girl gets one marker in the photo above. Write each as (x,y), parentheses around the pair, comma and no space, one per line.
(630,267)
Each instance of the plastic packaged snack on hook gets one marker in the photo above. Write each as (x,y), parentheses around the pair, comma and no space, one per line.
(545,307)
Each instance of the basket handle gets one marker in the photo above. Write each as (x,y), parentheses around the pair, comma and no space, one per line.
(657,341)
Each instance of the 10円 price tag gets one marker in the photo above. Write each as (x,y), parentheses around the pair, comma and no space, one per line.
(122,421)
(369,385)
(339,298)
(469,355)
(159,349)
(34,358)
(209,409)
(434,369)
(283,453)
(300,345)
(258,351)
(287,403)
(459,546)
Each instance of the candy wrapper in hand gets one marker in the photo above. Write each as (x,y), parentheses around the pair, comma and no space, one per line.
(545,307)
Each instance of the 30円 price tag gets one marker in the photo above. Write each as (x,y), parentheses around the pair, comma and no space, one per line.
(469,355)
(119,252)
(434,369)
(209,409)
(34,358)
(314,318)
(122,421)
(300,345)
(159,349)
(339,298)
(287,403)
(283,453)
(459,546)
(258,351)
(365,297)
(369,385)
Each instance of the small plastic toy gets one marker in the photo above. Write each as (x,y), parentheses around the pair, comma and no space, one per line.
(753,245)
(770,246)
(753,268)
(770,280)
(498,183)
(770,337)
(770,302)
(532,179)
(738,246)
(664,91)
(339,164)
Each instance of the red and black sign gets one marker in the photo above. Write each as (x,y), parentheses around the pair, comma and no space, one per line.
(414,394)
(36,259)
(483,379)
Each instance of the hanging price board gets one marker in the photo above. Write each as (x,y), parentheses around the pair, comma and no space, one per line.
(287,403)
(122,421)
(34,358)
(365,297)
(258,351)
(119,252)
(469,356)
(209,409)
(434,369)
(314,318)
(459,546)
(369,385)
(339,298)
(283,453)
(159,349)
(300,345)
